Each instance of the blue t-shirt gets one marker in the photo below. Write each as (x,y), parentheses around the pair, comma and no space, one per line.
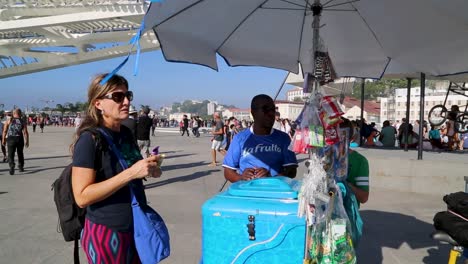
(271,152)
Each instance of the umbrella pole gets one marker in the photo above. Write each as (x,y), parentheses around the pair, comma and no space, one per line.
(421,115)
(316,12)
(408,99)
(361,126)
(281,87)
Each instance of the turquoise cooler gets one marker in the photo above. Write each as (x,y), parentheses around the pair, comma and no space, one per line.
(254,222)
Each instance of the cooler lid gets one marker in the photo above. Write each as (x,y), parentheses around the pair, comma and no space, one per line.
(271,187)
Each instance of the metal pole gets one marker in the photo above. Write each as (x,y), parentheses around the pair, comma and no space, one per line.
(421,115)
(408,100)
(363,84)
(281,87)
(317,9)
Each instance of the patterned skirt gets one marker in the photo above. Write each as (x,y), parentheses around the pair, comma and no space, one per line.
(105,246)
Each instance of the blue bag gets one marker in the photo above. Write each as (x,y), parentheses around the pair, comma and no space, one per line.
(351,206)
(149,230)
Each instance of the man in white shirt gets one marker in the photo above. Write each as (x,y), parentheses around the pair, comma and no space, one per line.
(78,121)
(277,124)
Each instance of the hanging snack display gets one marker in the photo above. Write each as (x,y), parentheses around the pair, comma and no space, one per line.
(329,234)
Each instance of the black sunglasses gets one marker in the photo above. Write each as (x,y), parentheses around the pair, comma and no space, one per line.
(267,109)
(119,97)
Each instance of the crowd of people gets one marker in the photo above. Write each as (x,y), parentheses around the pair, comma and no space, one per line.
(443,137)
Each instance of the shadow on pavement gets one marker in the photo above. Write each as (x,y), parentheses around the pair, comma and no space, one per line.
(185,178)
(53,157)
(178,156)
(183,166)
(27,170)
(3,192)
(392,230)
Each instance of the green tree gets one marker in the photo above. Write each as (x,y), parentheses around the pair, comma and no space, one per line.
(380,88)
(298,99)
(176,107)
(62,109)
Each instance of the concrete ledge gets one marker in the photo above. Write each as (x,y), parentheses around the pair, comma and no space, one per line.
(437,173)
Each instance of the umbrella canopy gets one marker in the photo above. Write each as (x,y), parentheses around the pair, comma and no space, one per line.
(361,36)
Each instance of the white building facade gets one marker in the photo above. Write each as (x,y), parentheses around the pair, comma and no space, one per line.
(239,114)
(289,110)
(293,94)
(211,107)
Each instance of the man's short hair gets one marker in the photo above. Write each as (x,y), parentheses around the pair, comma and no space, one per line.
(259,98)
(277,114)
(146,110)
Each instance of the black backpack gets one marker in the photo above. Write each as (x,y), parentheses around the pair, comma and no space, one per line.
(71,217)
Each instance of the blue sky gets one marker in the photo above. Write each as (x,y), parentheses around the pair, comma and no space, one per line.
(158,83)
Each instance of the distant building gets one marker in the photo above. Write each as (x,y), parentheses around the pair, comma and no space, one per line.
(293,94)
(239,114)
(352,109)
(211,107)
(288,109)
(179,116)
(394,108)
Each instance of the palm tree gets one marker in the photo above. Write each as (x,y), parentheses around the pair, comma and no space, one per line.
(60,108)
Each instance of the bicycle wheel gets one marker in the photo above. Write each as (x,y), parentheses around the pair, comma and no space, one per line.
(461,125)
(437,115)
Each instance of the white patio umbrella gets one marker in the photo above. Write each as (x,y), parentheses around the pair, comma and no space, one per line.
(362,36)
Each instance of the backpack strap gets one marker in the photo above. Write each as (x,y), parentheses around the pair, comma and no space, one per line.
(76,253)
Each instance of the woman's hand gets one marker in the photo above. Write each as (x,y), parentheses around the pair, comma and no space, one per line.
(146,167)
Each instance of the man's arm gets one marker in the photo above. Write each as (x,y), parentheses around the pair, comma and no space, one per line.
(361,195)
(232,175)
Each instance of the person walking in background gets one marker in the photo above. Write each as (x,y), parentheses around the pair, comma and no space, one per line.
(143,131)
(78,121)
(42,123)
(217,140)
(185,126)
(99,184)
(15,135)
(34,123)
(154,121)
(195,126)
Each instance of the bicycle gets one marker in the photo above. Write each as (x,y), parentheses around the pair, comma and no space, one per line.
(439,113)
(455,252)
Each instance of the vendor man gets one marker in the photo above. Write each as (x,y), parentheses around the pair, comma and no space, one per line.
(260,151)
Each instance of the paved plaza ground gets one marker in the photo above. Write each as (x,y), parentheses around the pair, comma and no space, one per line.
(397,224)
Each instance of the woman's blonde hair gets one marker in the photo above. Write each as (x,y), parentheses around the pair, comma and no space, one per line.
(96,91)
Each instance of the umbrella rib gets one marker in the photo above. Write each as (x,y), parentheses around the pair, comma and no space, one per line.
(349,10)
(368,26)
(292,3)
(328,2)
(281,8)
(240,24)
(339,4)
(302,32)
(178,12)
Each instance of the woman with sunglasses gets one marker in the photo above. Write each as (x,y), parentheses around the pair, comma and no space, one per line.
(99,183)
